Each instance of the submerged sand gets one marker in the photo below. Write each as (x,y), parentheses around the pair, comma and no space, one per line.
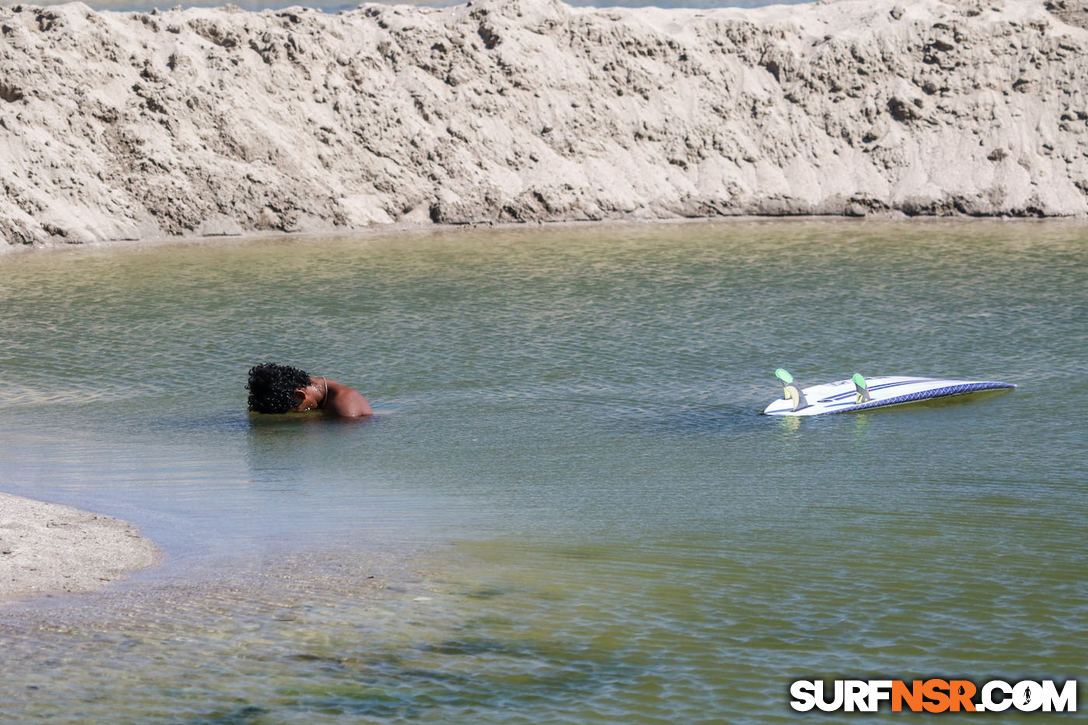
(52,549)
(209,121)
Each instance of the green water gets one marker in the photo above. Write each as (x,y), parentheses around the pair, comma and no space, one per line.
(569,506)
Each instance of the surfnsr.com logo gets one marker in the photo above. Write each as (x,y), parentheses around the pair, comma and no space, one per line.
(934,695)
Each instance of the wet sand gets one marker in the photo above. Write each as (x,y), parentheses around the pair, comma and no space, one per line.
(52,549)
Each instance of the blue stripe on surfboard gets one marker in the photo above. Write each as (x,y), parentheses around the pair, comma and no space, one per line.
(926,395)
(882,386)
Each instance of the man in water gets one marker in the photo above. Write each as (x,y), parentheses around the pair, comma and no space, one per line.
(284,389)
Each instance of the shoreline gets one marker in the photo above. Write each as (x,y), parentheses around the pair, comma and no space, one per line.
(54,549)
(410,230)
(218,122)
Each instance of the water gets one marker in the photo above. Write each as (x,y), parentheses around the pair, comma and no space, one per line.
(567,508)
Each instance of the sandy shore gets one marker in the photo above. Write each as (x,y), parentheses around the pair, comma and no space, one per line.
(218,121)
(52,549)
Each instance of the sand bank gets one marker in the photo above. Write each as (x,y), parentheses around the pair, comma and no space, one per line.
(51,549)
(218,121)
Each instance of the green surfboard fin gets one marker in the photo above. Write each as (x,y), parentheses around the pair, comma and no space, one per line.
(783,375)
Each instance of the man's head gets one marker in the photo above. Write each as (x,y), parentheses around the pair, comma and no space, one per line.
(271,387)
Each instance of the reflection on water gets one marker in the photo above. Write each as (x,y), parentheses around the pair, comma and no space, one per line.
(568,501)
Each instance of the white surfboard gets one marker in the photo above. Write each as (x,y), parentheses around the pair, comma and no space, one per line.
(840,396)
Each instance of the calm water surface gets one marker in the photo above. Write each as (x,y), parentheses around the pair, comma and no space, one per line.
(568,508)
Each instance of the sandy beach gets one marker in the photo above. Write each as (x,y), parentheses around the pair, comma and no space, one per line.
(219,121)
(52,549)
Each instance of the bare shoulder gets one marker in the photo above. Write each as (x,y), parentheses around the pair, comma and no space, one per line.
(346,402)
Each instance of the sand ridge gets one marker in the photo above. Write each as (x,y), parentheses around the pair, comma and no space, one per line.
(212,121)
(52,549)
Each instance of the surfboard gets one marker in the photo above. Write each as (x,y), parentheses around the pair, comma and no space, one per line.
(840,396)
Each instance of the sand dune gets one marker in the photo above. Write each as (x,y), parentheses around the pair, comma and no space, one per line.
(222,121)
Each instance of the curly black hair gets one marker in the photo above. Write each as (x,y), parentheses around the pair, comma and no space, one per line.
(270,387)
